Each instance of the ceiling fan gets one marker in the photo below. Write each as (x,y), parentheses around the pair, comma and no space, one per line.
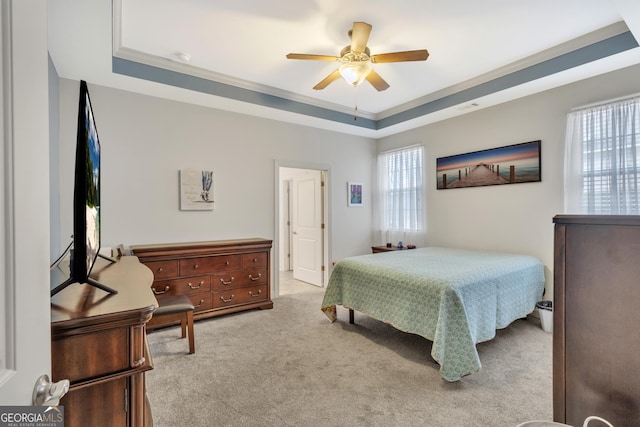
(356,60)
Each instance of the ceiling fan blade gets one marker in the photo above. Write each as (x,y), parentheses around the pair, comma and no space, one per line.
(410,55)
(328,80)
(313,57)
(360,36)
(377,81)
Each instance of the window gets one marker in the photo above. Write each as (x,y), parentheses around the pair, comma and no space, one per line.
(602,159)
(401,207)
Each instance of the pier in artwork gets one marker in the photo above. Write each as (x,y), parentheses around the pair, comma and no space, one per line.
(481,174)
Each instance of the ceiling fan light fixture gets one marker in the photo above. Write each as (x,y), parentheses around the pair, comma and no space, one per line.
(356,60)
(355,72)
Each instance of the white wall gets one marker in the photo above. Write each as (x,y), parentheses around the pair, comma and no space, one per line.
(145,141)
(518,217)
(54,182)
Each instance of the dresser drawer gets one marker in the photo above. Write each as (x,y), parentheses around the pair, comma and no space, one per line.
(201,302)
(239,296)
(191,266)
(74,358)
(256,276)
(163,269)
(226,280)
(239,279)
(187,285)
(254,260)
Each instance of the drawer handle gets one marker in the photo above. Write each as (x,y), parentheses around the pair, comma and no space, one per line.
(226,300)
(160,269)
(199,304)
(251,294)
(138,362)
(227,263)
(195,266)
(196,287)
(166,289)
(229,282)
(255,260)
(255,278)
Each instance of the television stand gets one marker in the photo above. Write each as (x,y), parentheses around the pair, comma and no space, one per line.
(88,281)
(102,348)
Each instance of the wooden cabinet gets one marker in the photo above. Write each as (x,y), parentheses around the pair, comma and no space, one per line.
(99,344)
(219,277)
(596,343)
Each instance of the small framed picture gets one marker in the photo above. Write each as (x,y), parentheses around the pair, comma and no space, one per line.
(196,190)
(354,192)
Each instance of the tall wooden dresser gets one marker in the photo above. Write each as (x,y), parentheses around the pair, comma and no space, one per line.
(220,277)
(99,343)
(596,343)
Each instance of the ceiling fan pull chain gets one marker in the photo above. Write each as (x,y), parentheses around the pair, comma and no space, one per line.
(355,102)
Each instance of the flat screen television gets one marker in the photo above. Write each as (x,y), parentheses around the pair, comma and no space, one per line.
(86,199)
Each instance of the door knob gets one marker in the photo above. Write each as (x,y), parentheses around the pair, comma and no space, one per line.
(47,393)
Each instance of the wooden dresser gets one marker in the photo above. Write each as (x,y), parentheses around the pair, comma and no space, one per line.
(219,277)
(99,344)
(596,344)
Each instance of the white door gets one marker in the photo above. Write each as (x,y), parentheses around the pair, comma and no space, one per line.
(25,341)
(307,227)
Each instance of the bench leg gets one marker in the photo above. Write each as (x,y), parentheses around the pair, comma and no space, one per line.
(183,325)
(351,318)
(192,345)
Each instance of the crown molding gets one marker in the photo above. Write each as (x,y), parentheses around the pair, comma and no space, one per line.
(540,57)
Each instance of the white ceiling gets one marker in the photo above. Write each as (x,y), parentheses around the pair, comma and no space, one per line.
(241,45)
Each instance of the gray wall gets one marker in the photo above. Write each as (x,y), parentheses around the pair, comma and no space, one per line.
(145,141)
(515,217)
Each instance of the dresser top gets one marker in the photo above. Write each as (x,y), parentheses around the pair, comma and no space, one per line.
(598,219)
(200,247)
(84,304)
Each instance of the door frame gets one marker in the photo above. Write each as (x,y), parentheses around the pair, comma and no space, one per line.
(326,169)
(25,329)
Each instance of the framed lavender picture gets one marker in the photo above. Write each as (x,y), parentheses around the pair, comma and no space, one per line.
(354,192)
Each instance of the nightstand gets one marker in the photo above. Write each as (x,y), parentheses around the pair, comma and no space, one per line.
(378,249)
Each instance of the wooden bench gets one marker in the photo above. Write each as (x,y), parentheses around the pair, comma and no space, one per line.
(176,308)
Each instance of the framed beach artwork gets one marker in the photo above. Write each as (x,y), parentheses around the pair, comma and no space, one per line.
(354,191)
(511,164)
(196,190)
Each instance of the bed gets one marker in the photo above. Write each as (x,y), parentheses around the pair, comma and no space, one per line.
(455,298)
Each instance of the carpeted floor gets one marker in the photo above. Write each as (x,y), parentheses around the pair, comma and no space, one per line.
(290,366)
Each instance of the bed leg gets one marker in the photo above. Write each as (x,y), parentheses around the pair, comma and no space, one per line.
(351,319)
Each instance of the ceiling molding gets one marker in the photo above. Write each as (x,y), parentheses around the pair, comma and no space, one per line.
(207,86)
(548,54)
(591,47)
(615,44)
(173,64)
(599,44)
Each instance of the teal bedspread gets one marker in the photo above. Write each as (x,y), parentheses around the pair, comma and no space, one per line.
(453,297)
